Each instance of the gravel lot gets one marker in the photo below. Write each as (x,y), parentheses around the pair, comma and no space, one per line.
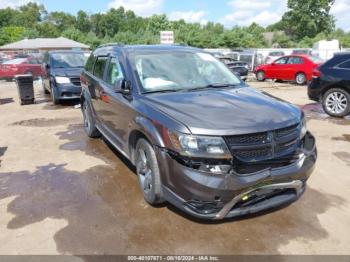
(62,193)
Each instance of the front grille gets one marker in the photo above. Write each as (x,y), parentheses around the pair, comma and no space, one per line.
(286,131)
(254,154)
(284,147)
(247,139)
(75,81)
(264,146)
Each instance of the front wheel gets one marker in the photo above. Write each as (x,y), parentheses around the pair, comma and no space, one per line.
(300,78)
(260,76)
(148,172)
(336,102)
(55,99)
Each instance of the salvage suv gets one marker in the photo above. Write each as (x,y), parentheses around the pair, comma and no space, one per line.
(199,137)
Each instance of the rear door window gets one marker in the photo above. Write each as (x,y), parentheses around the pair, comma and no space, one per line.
(100,66)
(295,61)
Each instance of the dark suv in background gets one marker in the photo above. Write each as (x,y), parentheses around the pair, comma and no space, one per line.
(62,71)
(200,138)
(331,85)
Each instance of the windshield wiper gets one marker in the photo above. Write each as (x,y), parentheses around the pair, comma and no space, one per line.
(217,85)
(162,91)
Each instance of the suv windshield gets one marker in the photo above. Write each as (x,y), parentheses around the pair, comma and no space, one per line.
(68,60)
(181,71)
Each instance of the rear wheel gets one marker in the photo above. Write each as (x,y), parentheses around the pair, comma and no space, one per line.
(300,78)
(336,102)
(148,172)
(89,123)
(260,75)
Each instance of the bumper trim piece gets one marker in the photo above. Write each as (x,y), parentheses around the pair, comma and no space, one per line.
(296,184)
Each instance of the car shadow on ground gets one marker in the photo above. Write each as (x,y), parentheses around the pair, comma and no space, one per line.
(4,101)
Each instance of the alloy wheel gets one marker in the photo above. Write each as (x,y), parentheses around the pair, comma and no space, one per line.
(336,102)
(86,117)
(300,79)
(260,76)
(144,172)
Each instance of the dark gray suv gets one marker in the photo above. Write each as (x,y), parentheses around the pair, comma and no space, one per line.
(199,137)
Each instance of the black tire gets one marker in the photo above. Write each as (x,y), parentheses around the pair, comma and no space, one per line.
(55,99)
(89,122)
(300,78)
(260,76)
(148,172)
(336,102)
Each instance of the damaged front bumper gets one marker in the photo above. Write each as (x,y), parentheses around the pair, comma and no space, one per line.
(206,195)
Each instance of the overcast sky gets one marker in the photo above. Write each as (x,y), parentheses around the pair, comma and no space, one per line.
(228,12)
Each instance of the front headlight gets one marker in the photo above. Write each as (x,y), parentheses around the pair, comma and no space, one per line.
(62,80)
(303,128)
(200,146)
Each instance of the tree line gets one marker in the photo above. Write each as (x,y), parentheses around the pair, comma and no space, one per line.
(305,22)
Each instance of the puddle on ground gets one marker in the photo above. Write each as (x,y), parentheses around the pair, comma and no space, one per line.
(315,111)
(4,101)
(345,138)
(45,122)
(344,156)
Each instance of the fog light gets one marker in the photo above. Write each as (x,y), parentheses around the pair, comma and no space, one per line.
(215,169)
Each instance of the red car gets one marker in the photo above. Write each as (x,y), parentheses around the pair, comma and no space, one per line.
(296,68)
(20,66)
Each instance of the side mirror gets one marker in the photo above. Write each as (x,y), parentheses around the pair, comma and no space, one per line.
(123,87)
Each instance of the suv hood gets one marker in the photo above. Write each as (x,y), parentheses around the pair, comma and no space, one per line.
(68,72)
(226,111)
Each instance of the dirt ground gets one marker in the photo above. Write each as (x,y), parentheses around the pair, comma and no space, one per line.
(63,193)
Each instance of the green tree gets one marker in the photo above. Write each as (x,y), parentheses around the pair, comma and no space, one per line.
(47,29)
(29,15)
(157,23)
(61,20)
(11,34)
(83,22)
(308,18)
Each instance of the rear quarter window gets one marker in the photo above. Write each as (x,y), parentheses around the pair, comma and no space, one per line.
(336,60)
(345,65)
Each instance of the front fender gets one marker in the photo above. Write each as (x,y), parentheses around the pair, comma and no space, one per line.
(149,129)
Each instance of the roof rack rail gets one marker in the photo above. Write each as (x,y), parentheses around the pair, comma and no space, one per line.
(110,44)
